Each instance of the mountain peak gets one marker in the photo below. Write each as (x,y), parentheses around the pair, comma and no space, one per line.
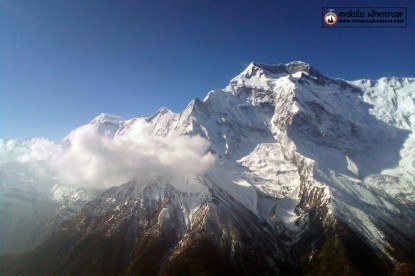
(164,110)
(298,66)
(289,68)
(107,124)
(161,118)
(106,117)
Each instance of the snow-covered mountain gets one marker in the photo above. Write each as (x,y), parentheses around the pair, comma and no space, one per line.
(312,175)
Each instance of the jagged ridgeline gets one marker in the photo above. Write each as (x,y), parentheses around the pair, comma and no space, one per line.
(311,175)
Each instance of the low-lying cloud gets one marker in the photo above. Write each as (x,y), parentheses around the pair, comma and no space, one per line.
(97,161)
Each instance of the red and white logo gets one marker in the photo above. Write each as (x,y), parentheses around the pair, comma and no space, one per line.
(330,18)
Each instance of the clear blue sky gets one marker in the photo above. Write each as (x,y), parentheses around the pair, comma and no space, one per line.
(64,62)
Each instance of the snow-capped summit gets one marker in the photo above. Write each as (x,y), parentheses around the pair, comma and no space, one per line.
(163,110)
(290,68)
(105,117)
(107,124)
(163,121)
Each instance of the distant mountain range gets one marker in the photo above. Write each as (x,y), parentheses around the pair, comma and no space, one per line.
(311,175)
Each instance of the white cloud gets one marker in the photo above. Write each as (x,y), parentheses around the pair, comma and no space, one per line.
(97,161)
(35,149)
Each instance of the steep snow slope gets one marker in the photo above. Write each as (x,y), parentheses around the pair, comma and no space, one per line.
(310,170)
(393,101)
(328,126)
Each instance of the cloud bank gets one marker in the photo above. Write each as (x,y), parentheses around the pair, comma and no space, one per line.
(96,161)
